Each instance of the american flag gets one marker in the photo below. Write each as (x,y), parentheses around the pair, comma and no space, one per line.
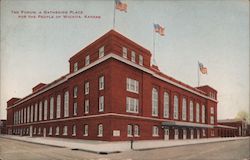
(121,6)
(159,29)
(202,68)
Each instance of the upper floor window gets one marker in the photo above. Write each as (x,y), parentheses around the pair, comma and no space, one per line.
(154,102)
(58,106)
(132,105)
(212,119)
(191,111)
(66,104)
(31,113)
(100,130)
(86,130)
(203,114)
(212,110)
(101,83)
(133,56)
(141,60)
(124,52)
(86,88)
(24,115)
(101,52)
(28,114)
(45,110)
(75,67)
(166,105)
(75,109)
(176,107)
(155,131)
(51,115)
(40,110)
(184,109)
(86,106)
(101,104)
(74,130)
(65,130)
(87,60)
(197,112)
(129,130)
(132,85)
(35,112)
(75,92)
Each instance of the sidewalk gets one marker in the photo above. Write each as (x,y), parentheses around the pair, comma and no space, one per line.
(113,147)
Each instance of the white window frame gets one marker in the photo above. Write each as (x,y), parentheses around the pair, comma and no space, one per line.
(65,130)
(51,108)
(155,101)
(75,66)
(191,111)
(66,104)
(58,106)
(74,130)
(45,110)
(129,130)
(166,105)
(132,105)
(86,130)
(87,60)
(75,109)
(176,107)
(101,83)
(100,130)
(86,88)
(101,103)
(124,52)
(184,109)
(132,85)
(101,52)
(141,60)
(155,132)
(133,56)
(197,112)
(86,106)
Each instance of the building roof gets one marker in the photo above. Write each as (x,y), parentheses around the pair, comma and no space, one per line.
(230,120)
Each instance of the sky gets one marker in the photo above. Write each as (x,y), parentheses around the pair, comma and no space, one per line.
(216,33)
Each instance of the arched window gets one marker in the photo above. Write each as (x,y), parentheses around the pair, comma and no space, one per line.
(66,104)
(191,111)
(45,110)
(176,107)
(51,115)
(58,106)
(100,130)
(154,102)
(197,112)
(166,105)
(184,109)
(203,113)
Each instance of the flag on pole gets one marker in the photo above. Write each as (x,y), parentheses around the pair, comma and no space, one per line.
(202,68)
(159,29)
(121,6)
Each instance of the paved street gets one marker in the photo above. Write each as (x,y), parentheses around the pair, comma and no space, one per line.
(231,150)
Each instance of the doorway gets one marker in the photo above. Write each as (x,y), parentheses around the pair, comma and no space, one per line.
(166,134)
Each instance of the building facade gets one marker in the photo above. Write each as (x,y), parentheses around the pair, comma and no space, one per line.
(113,93)
(2,126)
(238,128)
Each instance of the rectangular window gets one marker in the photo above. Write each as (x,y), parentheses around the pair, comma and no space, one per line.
(132,105)
(212,119)
(40,110)
(75,67)
(154,102)
(34,132)
(132,85)
(86,130)
(124,52)
(58,106)
(212,133)
(87,60)
(74,130)
(66,104)
(57,130)
(28,114)
(100,130)
(203,114)
(50,130)
(155,131)
(129,130)
(133,56)
(191,111)
(101,104)
(197,112)
(75,109)
(101,83)
(45,110)
(51,105)
(86,106)
(65,130)
(75,92)
(24,115)
(166,105)
(31,113)
(212,110)
(101,52)
(176,107)
(35,112)
(39,130)
(203,132)
(141,60)
(86,88)
(136,130)
(184,109)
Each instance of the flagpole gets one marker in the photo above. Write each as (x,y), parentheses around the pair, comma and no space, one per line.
(154,62)
(114,16)
(198,71)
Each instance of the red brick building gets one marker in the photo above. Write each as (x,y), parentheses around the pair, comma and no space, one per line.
(235,128)
(113,93)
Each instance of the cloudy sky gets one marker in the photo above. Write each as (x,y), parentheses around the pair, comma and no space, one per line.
(216,33)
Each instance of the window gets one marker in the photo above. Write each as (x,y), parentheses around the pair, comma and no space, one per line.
(45,110)
(101,83)
(129,130)
(75,67)
(212,132)
(75,109)
(34,132)
(35,112)
(132,105)
(50,130)
(87,60)
(58,106)
(191,111)
(212,119)
(75,92)
(101,104)
(155,131)
(86,130)
(19,116)
(154,102)
(39,130)
(136,130)
(101,52)
(57,130)
(166,105)
(65,130)
(124,52)
(141,60)
(184,109)
(74,130)
(197,112)
(203,114)
(51,114)
(86,106)
(212,110)
(66,104)
(132,85)
(133,56)
(100,130)
(24,115)
(176,107)
(31,113)
(203,132)
(40,110)
(86,88)
(28,114)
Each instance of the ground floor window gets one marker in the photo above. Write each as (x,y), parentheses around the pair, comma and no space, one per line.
(50,130)
(203,132)
(136,130)
(85,130)
(129,130)
(34,132)
(65,130)
(39,130)
(100,130)
(74,130)
(155,131)
(57,130)
(212,132)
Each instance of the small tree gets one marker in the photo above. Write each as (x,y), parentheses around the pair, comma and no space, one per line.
(243,115)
